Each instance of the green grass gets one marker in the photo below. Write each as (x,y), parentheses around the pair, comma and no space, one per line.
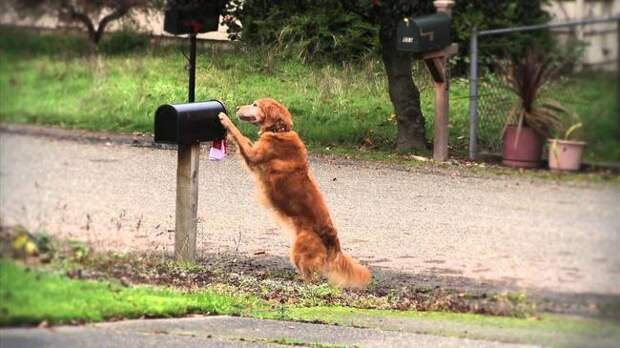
(595,100)
(298,343)
(342,315)
(48,79)
(33,295)
(547,330)
(331,105)
(30,296)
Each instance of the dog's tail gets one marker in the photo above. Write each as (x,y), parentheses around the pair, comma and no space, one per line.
(345,271)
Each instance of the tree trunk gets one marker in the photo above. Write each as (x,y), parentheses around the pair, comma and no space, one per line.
(404,94)
(95,35)
(103,23)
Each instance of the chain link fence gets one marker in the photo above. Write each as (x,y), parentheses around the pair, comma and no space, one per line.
(586,52)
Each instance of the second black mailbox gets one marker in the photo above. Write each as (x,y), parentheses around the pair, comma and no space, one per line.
(189,123)
(423,34)
(192,16)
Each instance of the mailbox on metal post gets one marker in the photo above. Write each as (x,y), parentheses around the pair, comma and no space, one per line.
(189,123)
(424,34)
(192,16)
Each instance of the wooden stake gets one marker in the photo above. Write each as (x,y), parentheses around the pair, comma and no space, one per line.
(438,67)
(440,141)
(187,202)
(442,90)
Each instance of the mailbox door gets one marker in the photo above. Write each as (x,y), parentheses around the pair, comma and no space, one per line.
(171,21)
(192,18)
(423,34)
(407,36)
(166,125)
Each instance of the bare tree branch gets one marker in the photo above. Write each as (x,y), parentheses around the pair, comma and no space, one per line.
(117,14)
(75,15)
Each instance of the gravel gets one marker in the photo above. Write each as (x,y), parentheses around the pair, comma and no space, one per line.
(512,233)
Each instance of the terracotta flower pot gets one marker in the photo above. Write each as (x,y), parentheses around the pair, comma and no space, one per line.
(565,154)
(524,153)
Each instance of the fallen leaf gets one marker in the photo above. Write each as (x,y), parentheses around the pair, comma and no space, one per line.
(419,158)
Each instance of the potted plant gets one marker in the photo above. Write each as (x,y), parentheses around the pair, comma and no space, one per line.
(565,154)
(531,120)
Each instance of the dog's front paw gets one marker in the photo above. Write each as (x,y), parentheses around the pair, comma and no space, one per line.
(224,120)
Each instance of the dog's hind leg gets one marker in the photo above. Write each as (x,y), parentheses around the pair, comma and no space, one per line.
(308,255)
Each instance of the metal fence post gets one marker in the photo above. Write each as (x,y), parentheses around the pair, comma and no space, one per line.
(618,77)
(473,96)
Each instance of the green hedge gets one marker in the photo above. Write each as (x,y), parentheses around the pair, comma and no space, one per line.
(326,30)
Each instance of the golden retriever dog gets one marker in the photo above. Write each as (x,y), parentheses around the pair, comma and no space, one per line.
(279,161)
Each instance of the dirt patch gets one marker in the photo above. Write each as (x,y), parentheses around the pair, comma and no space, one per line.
(268,277)
(271,278)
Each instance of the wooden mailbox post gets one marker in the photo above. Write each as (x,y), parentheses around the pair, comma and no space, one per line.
(187,17)
(188,162)
(428,38)
(187,125)
(437,63)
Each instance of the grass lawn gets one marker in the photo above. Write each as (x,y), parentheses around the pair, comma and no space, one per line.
(32,295)
(48,79)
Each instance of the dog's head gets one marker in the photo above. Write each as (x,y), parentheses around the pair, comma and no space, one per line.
(267,114)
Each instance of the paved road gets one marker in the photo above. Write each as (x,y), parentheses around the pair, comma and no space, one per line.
(500,232)
(223,332)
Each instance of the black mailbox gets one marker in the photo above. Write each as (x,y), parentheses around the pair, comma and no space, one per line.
(192,16)
(189,123)
(424,34)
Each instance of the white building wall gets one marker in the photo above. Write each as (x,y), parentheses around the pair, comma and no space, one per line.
(153,24)
(601,39)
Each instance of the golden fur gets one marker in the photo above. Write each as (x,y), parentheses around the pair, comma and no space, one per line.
(279,162)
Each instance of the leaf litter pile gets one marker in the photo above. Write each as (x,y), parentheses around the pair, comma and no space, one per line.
(268,277)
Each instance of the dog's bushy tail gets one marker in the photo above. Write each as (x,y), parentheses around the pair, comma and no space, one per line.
(345,271)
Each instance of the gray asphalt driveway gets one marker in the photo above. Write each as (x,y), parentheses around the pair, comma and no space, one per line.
(225,332)
(516,232)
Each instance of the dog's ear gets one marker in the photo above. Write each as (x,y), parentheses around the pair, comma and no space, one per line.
(277,115)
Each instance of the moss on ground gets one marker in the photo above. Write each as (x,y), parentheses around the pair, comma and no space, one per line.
(31,296)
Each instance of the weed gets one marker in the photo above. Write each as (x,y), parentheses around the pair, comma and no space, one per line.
(234,274)
(47,79)
(298,343)
(31,296)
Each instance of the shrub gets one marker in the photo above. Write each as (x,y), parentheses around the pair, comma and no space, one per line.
(324,29)
(309,30)
(28,42)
